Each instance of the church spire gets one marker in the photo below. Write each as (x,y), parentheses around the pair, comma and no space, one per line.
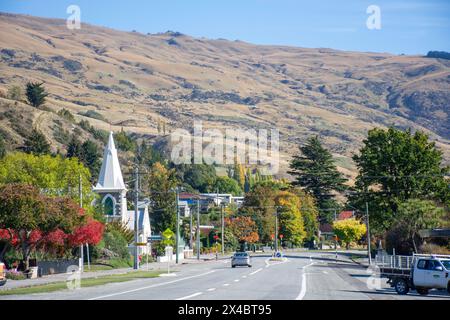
(110,177)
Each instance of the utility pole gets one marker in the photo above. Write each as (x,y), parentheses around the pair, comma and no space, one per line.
(80,192)
(136,225)
(223,230)
(276,231)
(198,229)
(178,226)
(368,234)
(190,229)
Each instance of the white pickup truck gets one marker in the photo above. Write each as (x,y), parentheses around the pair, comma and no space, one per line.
(418,272)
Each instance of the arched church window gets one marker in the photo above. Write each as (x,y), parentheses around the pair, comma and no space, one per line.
(109,206)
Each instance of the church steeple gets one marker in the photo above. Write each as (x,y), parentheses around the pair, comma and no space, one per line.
(110,185)
(110,177)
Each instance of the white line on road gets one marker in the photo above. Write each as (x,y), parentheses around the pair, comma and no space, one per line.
(237,280)
(190,296)
(211,289)
(244,277)
(302,293)
(151,286)
(226,284)
(255,272)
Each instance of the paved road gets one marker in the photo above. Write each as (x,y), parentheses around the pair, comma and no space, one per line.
(302,276)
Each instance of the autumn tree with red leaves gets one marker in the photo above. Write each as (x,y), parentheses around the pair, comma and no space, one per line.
(243,228)
(29,219)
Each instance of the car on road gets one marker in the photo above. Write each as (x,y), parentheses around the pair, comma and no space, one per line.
(418,272)
(2,274)
(241,259)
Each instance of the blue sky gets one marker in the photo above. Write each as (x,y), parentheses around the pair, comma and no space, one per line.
(407,26)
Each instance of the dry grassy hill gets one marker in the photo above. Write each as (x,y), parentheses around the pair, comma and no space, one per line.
(136,80)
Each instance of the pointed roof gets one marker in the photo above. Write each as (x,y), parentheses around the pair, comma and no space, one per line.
(110,177)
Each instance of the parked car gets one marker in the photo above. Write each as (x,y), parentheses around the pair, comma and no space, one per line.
(418,272)
(241,259)
(2,274)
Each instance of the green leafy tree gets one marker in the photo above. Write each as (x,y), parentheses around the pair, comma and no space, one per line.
(291,221)
(414,215)
(316,172)
(36,94)
(56,176)
(395,166)
(201,177)
(239,174)
(227,185)
(36,143)
(349,230)
(259,204)
(162,182)
(124,142)
(310,213)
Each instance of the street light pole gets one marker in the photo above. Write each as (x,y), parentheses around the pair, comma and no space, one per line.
(198,229)
(276,231)
(136,225)
(223,230)
(178,227)
(368,234)
(190,230)
(80,192)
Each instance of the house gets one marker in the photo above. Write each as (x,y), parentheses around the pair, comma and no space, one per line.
(112,191)
(326,229)
(184,208)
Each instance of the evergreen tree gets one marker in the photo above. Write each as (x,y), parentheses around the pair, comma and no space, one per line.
(74,149)
(36,94)
(2,147)
(36,143)
(90,157)
(316,172)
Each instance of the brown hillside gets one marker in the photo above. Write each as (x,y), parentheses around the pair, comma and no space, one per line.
(135,81)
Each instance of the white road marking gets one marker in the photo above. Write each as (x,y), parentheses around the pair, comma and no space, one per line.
(226,284)
(268,264)
(237,280)
(151,286)
(190,296)
(244,277)
(255,272)
(211,289)
(302,293)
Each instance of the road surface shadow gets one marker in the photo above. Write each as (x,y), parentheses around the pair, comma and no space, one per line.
(391,292)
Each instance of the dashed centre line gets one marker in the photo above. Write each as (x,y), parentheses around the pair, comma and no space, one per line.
(190,296)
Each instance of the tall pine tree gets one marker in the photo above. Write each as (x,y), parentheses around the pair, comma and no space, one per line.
(315,171)
(36,94)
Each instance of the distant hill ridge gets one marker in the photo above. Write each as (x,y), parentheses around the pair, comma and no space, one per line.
(115,79)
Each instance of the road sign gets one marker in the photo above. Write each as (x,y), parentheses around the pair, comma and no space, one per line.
(155,238)
(141,244)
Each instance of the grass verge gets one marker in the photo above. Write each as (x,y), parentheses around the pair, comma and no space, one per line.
(89,282)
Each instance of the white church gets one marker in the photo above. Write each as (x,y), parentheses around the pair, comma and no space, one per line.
(112,191)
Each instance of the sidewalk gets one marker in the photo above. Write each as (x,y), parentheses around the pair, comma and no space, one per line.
(154,266)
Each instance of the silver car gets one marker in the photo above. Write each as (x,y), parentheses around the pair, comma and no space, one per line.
(241,259)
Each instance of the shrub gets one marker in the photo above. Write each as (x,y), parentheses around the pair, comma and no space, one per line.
(15,275)
(66,114)
(115,242)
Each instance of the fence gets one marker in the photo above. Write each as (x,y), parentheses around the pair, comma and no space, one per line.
(54,267)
